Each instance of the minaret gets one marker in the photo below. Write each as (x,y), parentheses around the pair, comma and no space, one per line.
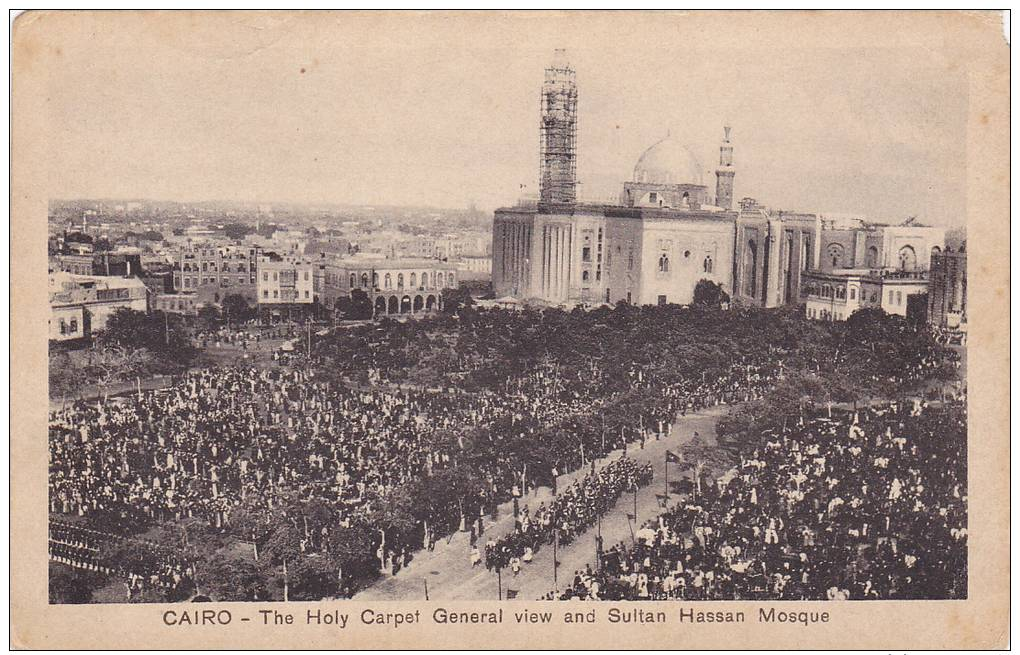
(724,174)
(557,172)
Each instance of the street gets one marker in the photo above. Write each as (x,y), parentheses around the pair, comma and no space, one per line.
(447,570)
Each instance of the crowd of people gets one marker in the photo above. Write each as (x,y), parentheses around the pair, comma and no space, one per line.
(342,439)
(148,566)
(869,504)
(574,510)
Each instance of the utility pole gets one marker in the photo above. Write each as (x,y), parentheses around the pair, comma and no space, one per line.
(556,543)
(166,327)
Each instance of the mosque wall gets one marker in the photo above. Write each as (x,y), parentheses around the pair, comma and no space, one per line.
(624,257)
(512,242)
(677,253)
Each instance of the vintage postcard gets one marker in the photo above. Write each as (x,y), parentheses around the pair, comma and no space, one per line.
(510,330)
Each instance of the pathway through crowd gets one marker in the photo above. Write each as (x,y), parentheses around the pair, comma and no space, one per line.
(447,570)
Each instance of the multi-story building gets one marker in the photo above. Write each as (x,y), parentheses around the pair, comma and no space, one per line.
(214,272)
(669,231)
(835,295)
(947,289)
(81,304)
(100,263)
(395,286)
(285,286)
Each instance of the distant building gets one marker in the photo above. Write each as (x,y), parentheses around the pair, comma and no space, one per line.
(75,264)
(81,304)
(668,232)
(835,295)
(214,272)
(947,289)
(394,286)
(177,303)
(285,287)
(100,263)
(474,267)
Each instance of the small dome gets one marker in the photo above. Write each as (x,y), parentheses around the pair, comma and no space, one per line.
(668,162)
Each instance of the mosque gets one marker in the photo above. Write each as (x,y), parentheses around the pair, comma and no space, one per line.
(669,230)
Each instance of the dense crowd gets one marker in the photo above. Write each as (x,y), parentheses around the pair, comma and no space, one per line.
(389,436)
(574,510)
(868,505)
(142,564)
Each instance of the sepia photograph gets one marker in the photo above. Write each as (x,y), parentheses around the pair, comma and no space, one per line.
(610,316)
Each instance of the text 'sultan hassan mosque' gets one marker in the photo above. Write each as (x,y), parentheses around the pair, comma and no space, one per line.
(669,230)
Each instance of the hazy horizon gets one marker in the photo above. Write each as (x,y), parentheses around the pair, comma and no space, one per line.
(313,115)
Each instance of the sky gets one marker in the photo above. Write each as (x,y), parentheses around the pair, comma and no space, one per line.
(330,110)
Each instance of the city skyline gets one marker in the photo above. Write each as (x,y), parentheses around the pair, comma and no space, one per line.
(289,119)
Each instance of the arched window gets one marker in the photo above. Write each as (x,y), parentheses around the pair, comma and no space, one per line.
(835,254)
(433,278)
(400,280)
(353,280)
(685,200)
(424,279)
(871,259)
(908,259)
(664,263)
(449,279)
(364,280)
(585,276)
(707,264)
(414,280)
(751,268)
(687,254)
(388,281)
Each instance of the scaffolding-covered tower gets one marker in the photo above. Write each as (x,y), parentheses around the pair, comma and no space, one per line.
(558,173)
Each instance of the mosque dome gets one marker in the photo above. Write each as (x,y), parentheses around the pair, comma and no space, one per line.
(668,162)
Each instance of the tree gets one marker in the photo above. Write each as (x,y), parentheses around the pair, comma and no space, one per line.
(456,300)
(208,317)
(237,231)
(359,306)
(65,374)
(236,308)
(109,363)
(161,333)
(702,457)
(69,585)
(267,230)
(231,578)
(710,294)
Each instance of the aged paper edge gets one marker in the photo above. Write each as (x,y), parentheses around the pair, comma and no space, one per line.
(973,38)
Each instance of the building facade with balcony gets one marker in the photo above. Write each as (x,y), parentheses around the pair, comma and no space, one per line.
(835,295)
(285,287)
(215,272)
